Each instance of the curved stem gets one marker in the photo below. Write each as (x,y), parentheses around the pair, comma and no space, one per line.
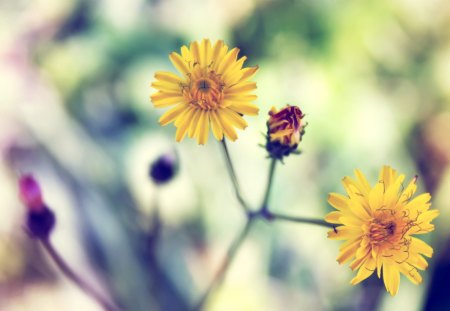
(269,184)
(233,177)
(71,275)
(231,253)
(306,220)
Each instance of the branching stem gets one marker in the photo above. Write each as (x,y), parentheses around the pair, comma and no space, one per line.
(262,212)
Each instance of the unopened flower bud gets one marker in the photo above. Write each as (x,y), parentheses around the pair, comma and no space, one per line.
(164,168)
(30,193)
(40,220)
(285,129)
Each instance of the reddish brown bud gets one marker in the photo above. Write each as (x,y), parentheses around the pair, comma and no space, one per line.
(285,126)
(285,129)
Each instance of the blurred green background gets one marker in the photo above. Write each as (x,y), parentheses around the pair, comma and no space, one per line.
(372,77)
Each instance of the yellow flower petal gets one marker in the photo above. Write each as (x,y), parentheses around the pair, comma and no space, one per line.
(244,108)
(348,252)
(365,186)
(333,217)
(203,128)
(172,114)
(351,220)
(357,263)
(229,58)
(216,126)
(182,124)
(228,130)
(248,73)
(379,265)
(186,55)
(344,233)
(168,77)
(338,201)
(363,251)
(411,273)
(206,52)
(243,87)
(195,51)
(233,74)
(409,191)
(166,87)
(417,261)
(178,62)
(419,203)
(421,247)
(193,123)
(391,193)
(166,99)
(376,196)
(233,118)
(364,271)
(391,278)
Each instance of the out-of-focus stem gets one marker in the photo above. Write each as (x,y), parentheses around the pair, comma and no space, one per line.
(75,278)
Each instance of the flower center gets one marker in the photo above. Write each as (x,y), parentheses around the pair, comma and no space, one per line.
(381,230)
(205,92)
(203,85)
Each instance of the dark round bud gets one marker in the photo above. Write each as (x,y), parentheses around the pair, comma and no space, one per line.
(164,168)
(39,224)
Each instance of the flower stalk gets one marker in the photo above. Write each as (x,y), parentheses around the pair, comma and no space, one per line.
(273,163)
(233,177)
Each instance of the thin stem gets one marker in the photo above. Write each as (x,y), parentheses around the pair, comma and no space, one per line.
(233,177)
(269,184)
(231,253)
(71,275)
(306,220)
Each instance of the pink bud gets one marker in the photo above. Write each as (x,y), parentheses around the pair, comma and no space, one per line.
(30,193)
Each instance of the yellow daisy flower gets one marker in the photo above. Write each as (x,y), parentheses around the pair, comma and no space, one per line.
(378,224)
(213,89)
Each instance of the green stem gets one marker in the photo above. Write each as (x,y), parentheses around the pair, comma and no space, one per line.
(231,253)
(76,279)
(306,220)
(269,184)
(233,177)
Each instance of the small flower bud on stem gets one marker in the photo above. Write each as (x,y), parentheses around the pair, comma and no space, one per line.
(285,129)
